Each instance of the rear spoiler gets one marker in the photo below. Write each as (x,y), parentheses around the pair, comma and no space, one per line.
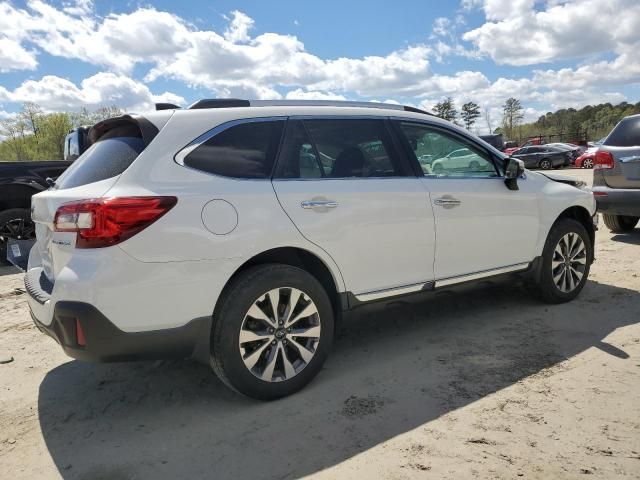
(148,130)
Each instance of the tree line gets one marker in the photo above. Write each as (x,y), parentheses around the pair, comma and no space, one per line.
(591,122)
(33,134)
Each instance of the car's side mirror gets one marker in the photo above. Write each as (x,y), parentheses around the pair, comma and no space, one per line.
(514,170)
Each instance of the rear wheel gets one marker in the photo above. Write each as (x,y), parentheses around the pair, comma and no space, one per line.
(587,163)
(620,223)
(272,331)
(545,164)
(566,261)
(15,223)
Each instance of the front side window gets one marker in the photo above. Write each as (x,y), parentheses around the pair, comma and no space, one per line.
(443,155)
(247,150)
(337,148)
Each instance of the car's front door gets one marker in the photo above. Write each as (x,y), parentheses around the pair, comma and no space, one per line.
(348,191)
(481,226)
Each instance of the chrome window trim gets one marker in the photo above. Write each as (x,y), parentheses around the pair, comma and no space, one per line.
(191,146)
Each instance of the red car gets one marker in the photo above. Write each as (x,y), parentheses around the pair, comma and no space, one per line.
(587,158)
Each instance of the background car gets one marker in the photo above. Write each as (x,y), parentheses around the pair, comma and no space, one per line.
(461,158)
(542,156)
(587,158)
(575,150)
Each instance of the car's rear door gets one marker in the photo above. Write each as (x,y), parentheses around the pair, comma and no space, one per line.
(343,184)
(623,143)
(481,226)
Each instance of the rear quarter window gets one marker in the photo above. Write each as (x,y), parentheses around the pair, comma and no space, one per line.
(625,134)
(247,150)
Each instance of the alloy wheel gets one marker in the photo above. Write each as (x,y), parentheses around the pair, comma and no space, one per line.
(569,262)
(588,163)
(280,334)
(18,229)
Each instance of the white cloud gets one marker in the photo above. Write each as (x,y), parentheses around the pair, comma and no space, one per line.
(100,90)
(239,26)
(519,34)
(15,57)
(300,94)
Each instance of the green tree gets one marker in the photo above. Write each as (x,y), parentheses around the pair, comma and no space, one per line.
(512,115)
(470,112)
(446,110)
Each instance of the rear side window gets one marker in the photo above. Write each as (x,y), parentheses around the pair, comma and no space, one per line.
(106,158)
(340,148)
(625,134)
(247,150)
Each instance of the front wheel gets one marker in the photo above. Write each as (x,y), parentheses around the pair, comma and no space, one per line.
(271,332)
(620,223)
(566,260)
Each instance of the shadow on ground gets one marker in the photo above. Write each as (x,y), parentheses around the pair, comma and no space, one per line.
(632,238)
(391,371)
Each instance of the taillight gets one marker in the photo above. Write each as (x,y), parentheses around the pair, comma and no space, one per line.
(102,222)
(603,161)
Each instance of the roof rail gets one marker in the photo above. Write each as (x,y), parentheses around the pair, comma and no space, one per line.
(236,102)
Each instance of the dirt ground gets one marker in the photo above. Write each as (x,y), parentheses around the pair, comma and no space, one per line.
(486,383)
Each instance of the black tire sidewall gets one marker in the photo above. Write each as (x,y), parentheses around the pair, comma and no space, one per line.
(228,319)
(550,292)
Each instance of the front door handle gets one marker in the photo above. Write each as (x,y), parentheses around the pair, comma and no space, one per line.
(318,204)
(447,202)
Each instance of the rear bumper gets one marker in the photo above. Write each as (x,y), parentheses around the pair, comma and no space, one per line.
(617,201)
(104,342)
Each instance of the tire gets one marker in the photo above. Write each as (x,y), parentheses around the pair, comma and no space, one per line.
(587,163)
(15,223)
(547,288)
(252,289)
(474,166)
(620,223)
(437,169)
(545,164)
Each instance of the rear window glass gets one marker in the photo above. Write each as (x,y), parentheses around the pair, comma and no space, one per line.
(625,134)
(247,150)
(104,159)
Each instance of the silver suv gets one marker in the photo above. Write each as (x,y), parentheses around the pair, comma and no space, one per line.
(616,176)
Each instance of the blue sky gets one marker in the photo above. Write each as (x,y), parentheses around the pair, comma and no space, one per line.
(551,54)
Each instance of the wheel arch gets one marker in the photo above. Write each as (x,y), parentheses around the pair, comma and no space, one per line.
(582,215)
(16,196)
(301,258)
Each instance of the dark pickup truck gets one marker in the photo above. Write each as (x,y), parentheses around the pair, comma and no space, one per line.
(20,180)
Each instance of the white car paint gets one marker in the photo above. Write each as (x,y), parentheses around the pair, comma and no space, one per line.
(385,235)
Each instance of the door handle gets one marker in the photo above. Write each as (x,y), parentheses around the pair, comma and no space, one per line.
(447,202)
(318,204)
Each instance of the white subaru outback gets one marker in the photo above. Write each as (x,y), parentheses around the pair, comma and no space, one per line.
(237,231)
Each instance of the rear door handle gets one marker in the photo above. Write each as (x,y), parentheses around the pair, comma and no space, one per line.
(447,202)
(318,204)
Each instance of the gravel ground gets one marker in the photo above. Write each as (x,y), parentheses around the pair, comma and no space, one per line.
(486,383)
